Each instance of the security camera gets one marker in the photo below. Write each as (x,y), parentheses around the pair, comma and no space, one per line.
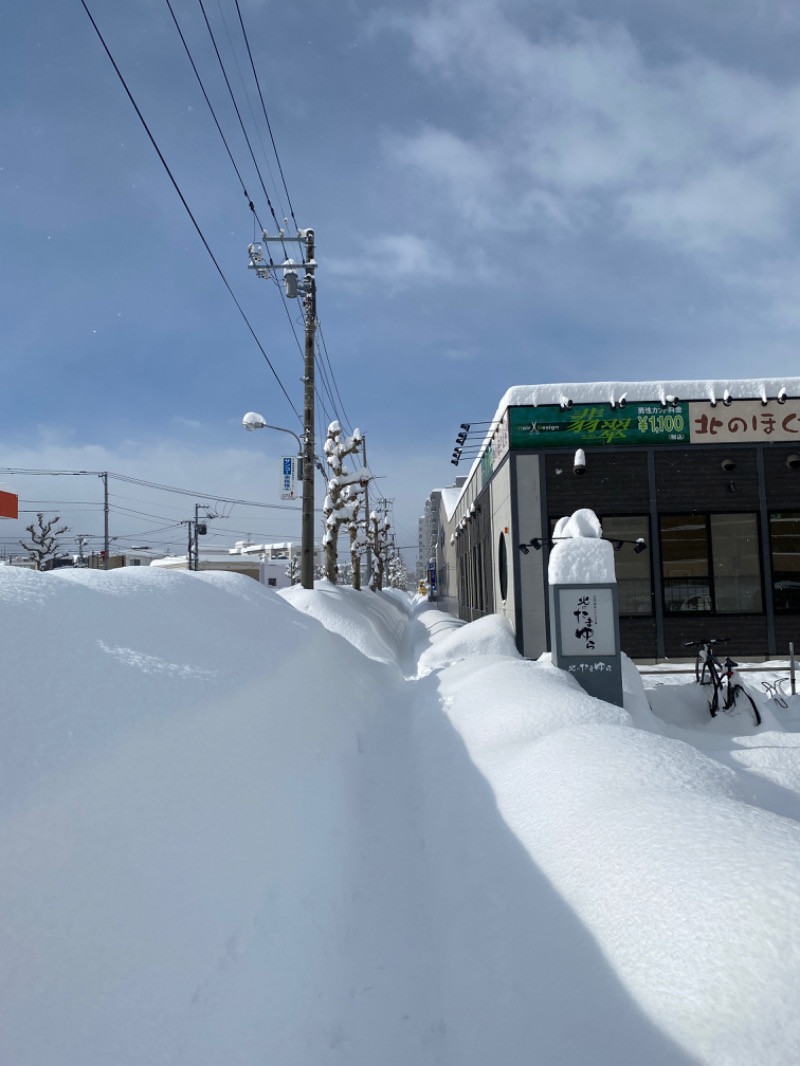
(579,462)
(728,465)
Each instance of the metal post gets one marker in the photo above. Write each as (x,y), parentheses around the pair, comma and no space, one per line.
(196,565)
(307,527)
(104,476)
(792,668)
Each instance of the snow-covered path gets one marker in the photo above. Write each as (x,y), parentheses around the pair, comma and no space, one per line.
(445,878)
(334,827)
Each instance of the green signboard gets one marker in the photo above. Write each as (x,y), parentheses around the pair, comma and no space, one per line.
(598,423)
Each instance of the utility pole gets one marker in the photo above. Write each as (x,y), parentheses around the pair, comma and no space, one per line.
(197,529)
(104,476)
(190,543)
(309,288)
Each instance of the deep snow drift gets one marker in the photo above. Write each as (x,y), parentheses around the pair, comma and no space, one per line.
(244,827)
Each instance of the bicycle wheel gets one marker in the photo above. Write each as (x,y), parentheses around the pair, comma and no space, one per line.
(737,692)
(713,699)
(702,674)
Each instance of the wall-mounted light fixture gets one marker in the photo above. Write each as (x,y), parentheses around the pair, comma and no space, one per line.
(639,545)
(579,462)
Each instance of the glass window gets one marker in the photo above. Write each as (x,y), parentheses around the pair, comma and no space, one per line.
(737,567)
(784,530)
(634,582)
(685,563)
(711,563)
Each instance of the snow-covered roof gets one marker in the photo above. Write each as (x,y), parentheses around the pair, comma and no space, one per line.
(662,391)
(613,392)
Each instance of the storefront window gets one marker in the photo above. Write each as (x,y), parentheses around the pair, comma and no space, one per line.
(685,562)
(634,583)
(784,532)
(737,569)
(711,563)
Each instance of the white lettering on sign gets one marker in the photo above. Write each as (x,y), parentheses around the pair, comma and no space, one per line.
(288,479)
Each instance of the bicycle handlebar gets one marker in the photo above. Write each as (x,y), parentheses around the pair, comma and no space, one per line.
(708,640)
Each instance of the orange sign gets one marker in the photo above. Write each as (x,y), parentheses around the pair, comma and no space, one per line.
(9,505)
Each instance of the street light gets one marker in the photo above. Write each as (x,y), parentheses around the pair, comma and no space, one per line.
(253,420)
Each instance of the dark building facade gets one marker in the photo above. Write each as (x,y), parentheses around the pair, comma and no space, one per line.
(706,474)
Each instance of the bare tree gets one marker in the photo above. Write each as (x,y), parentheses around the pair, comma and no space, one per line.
(44,539)
(293,570)
(398,575)
(342,499)
(378,535)
(358,537)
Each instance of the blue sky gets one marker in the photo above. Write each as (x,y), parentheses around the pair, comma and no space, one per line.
(503,193)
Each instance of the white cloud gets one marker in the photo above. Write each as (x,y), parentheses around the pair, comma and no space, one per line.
(578,129)
(469,174)
(401,260)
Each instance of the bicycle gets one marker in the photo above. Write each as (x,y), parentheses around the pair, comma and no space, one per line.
(774,690)
(727,688)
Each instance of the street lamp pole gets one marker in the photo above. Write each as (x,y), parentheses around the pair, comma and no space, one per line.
(264,268)
(307,528)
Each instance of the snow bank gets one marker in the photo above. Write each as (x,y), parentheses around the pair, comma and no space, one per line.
(231,832)
(179,761)
(373,622)
(452,641)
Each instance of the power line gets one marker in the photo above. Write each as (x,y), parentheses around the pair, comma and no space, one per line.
(147,484)
(266,117)
(185,204)
(238,115)
(250,203)
(329,382)
(320,364)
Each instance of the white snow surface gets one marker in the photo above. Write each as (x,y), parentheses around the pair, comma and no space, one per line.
(578,556)
(241,827)
(768,388)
